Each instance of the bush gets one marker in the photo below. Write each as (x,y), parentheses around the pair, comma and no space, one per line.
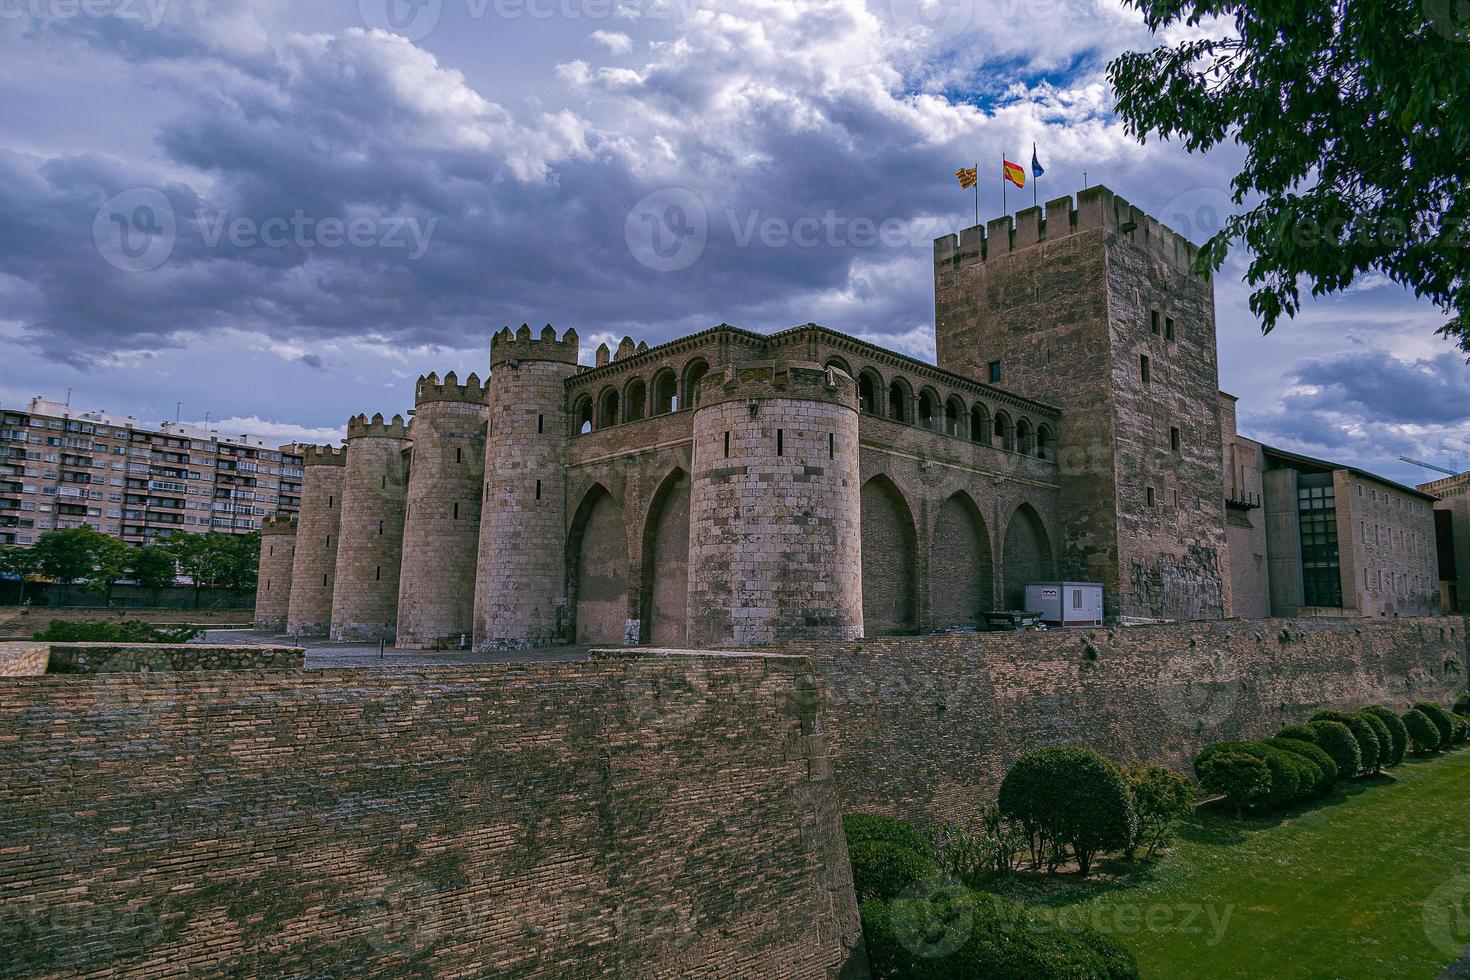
(887,855)
(1462,731)
(873,828)
(1320,761)
(113,631)
(1070,796)
(1292,778)
(1302,733)
(1398,734)
(1423,735)
(968,934)
(1442,719)
(1160,796)
(1363,734)
(1462,704)
(1244,780)
(1337,740)
(1384,736)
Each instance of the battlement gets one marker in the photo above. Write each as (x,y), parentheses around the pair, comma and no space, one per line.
(522,346)
(323,456)
(361,427)
(803,381)
(431,389)
(279,524)
(626,349)
(1095,209)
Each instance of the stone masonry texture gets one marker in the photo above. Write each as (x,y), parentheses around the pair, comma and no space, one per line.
(273,583)
(610,818)
(924,728)
(310,611)
(441,531)
(370,549)
(775,545)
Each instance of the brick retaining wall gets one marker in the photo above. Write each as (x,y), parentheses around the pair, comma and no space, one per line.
(618,818)
(107,658)
(925,727)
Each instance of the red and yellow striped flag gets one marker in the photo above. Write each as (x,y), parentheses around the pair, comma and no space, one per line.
(1014,173)
(968,177)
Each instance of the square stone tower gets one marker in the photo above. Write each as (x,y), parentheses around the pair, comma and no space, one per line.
(1093,309)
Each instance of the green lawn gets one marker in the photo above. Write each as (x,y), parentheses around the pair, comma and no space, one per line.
(1334,889)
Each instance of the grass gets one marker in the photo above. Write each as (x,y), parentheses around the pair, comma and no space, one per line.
(1337,888)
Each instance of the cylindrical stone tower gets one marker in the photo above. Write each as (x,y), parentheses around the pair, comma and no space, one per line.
(312,572)
(273,584)
(374,490)
(775,549)
(441,530)
(520,582)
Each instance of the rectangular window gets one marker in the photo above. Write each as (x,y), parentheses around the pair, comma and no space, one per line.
(995,372)
(1317,514)
(1076,598)
(1144,368)
(540,424)
(1153,322)
(456,511)
(780,442)
(727,445)
(1169,328)
(1148,495)
(1174,440)
(378,573)
(538,489)
(831,445)
(459,455)
(380,529)
(383,482)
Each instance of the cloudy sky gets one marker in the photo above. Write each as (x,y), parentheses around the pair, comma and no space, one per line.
(280,213)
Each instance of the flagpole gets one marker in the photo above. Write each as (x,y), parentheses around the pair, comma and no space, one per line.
(977,193)
(1004,207)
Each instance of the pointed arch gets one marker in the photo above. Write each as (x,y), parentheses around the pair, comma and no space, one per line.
(961,572)
(1027,555)
(665,573)
(597,568)
(890,550)
(582,415)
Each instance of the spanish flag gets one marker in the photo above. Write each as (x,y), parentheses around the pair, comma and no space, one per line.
(968,178)
(1014,173)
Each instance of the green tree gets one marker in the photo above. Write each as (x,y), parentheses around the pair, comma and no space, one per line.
(191,555)
(1160,797)
(1242,779)
(80,554)
(153,568)
(1355,118)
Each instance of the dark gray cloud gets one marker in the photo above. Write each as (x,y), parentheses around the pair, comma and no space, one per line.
(1368,384)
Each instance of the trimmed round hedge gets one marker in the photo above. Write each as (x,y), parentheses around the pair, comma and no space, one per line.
(970,934)
(1462,704)
(1398,734)
(887,855)
(874,828)
(1384,736)
(1442,720)
(1423,734)
(1302,733)
(1462,731)
(1363,734)
(1292,777)
(1337,740)
(1321,761)
(1074,795)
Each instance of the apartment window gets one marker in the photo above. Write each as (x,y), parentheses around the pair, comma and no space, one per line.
(995,372)
(1144,368)
(1174,440)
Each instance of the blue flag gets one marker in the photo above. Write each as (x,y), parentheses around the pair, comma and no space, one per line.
(1036,168)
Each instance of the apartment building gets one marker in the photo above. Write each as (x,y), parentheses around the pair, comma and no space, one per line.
(61,468)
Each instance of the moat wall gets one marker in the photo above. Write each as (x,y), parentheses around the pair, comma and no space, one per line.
(925,727)
(617,817)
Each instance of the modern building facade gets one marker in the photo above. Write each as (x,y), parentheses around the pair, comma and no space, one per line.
(1452,528)
(61,469)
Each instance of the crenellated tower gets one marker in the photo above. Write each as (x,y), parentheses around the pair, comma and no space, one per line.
(273,583)
(441,531)
(374,490)
(315,564)
(1094,308)
(775,542)
(520,588)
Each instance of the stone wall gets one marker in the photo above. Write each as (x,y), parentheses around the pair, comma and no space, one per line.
(111,658)
(925,727)
(614,818)
(22,658)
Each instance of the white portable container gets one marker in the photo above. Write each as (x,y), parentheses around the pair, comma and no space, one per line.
(1066,603)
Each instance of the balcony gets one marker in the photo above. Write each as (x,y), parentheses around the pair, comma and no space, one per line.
(1242,500)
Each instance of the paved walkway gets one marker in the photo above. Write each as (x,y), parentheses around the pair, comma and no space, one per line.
(324,653)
